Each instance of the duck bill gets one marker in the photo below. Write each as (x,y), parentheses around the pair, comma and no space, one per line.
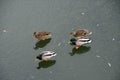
(90,33)
(89,41)
(69,42)
(36,60)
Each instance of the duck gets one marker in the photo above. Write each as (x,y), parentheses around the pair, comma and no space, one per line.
(42,35)
(45,56)
(79,42)
(80,33)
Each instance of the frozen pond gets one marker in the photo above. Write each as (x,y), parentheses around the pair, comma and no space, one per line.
(96,61)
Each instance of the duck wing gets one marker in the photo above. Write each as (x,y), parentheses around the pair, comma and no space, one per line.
(49,53)
(80,32)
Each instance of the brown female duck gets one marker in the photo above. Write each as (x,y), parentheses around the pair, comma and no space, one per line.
(80,33)
(42,35)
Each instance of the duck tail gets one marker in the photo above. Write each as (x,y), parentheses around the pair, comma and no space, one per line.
(89,41)
(90,33)
(54,54)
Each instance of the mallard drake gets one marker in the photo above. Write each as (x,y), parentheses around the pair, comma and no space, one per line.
(45,55)
(80,33)
(79,42)
(42,35)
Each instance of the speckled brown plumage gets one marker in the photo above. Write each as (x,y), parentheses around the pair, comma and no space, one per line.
(80,33)
(41,35)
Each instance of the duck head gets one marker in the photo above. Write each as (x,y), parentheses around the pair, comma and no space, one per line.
(38,58)
(72,41)
(36,34)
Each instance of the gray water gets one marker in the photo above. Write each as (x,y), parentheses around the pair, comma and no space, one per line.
(96,61)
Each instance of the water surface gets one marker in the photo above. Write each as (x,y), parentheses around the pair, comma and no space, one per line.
(18,48)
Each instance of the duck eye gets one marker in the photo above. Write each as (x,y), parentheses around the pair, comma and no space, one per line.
(34,33)
(84,33)
(47,34)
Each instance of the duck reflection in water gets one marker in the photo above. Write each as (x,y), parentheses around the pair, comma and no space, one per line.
(81,50)
(46,64)
(42,43)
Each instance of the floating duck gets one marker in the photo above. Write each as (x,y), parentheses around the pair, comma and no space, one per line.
(80,33)
(45,55)
(42,35)
(79,42)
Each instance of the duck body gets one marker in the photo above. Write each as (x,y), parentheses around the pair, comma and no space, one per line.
(80,33)
(46,55)
(42,35)
(83,41)
(79,42)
